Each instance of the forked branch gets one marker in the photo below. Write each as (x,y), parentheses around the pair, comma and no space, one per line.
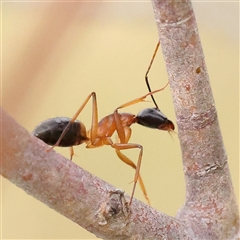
(210,210)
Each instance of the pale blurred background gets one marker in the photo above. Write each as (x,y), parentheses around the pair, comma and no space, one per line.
(55,54)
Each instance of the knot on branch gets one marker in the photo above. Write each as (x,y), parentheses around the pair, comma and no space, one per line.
(115,205)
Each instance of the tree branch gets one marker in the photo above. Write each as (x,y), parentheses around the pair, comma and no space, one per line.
(77,194)
(210,209)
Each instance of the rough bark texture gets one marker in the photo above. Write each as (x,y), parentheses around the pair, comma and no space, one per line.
(75,193)
(210,209)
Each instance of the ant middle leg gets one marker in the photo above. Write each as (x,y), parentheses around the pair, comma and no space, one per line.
(71,153)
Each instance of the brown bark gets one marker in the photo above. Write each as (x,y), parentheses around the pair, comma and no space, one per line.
(75,193)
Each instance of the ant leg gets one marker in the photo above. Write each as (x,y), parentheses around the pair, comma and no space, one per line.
(71,153)
(121,146)
(146,75)
(124,134)
(126,160)
(93,131)
(140,99)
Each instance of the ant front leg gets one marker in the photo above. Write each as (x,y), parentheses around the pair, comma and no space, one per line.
(125,159)
(137,177)
(124,133)
(141,99)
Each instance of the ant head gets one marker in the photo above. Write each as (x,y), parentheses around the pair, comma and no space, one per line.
(154,118)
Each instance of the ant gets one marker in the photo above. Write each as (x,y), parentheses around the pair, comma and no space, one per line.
(68,132)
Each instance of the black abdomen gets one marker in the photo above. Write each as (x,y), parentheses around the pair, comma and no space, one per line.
(50,130)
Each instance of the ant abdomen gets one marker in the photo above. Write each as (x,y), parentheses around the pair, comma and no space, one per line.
(50,130)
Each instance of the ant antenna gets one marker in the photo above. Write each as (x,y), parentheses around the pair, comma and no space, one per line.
(146,75)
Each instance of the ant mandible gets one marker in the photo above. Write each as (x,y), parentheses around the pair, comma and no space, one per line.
(69,132)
